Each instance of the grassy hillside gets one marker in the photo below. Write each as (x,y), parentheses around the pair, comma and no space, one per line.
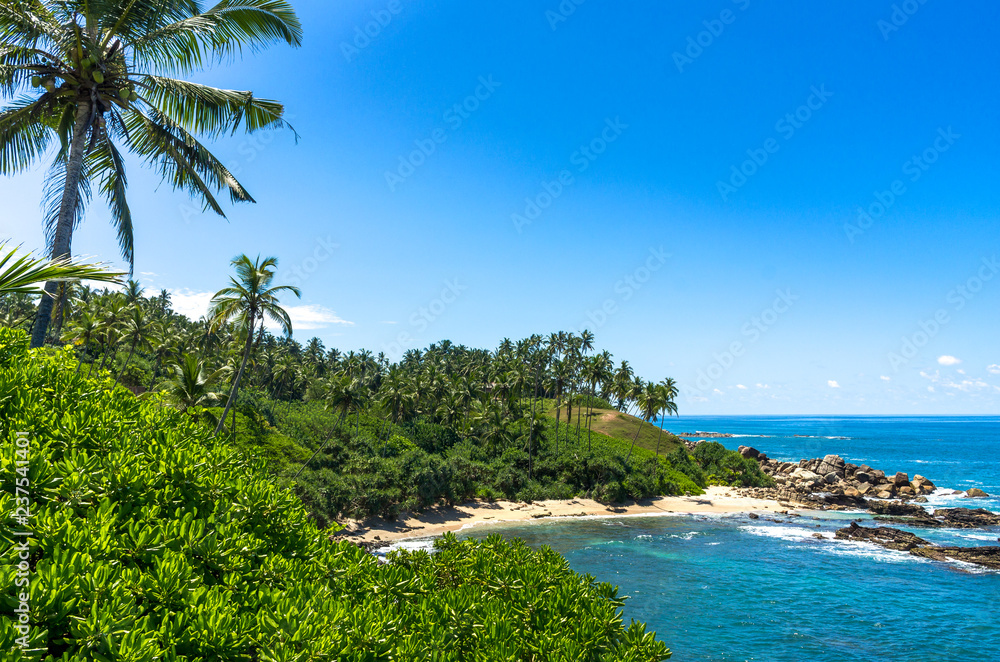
(613,423)
(153,541)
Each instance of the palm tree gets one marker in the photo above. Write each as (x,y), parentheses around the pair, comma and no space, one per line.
(22,274)
(191,384)
(668,395)
(84,331)
(88,74)
(136,332)
(250,299)
(648,399)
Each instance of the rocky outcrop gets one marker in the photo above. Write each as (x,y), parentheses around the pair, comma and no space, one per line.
(705,435)
(976,492)
(884,536)
(988,557)
(967,518)
(905,541)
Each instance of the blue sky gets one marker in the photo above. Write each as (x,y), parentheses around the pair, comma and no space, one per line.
(475,173)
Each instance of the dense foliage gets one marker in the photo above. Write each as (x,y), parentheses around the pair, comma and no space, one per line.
(154,541)
(356,436)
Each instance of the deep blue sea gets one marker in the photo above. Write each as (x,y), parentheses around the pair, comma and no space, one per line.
(733,588)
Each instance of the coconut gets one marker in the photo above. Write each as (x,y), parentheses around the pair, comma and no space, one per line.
(124,93)
(36,81)
(98,77)
(49,84)
(132,96)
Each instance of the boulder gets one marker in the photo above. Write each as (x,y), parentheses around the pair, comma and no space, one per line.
(906,490)
(748,452)
(976,492)
(920,480)
(831,478)
(850,469)
(851,492)
(864,488)
(876,473)
(884,495)
(831,464)
(805,476)
(920,499)
(900,479)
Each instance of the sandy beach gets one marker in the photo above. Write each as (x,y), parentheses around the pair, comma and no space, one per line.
(437,521)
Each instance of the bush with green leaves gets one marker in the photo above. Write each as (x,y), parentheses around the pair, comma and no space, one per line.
(154,541)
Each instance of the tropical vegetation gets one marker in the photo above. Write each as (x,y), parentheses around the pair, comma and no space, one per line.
(154,540)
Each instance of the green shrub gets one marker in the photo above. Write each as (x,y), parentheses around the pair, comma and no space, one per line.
(155,541)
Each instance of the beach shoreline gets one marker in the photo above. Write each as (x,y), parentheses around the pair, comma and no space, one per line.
(437,521)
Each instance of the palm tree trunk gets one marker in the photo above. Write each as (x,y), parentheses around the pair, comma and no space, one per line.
(638,429)
(239,375)
(658,437)
(131,350)
(63,239)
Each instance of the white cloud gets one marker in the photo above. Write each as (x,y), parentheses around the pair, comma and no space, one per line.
(832,383)
(741,387)
(993,369)
(190,303)
(388,322)
(310,316)
(948,360)
(885,379)
(304,317)
(930,388)
(759,385)
(715,390)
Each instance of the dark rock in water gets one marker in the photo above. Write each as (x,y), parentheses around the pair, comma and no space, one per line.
(967,518)
(955,518)
(753,516)
(901,478)
(902,541)
(976,492)
(988,557)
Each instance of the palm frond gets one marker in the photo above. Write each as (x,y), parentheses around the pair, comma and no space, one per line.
(25,134)
(107,161)
(210,110)
(181,160)
(24,274)
(55,190)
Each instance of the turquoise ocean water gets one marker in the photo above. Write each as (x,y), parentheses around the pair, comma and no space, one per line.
(733,588)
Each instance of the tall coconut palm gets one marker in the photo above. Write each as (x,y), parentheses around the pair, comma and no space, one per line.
(90,75)
(648,399)
(667,402)
(247,301)
(192,384)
